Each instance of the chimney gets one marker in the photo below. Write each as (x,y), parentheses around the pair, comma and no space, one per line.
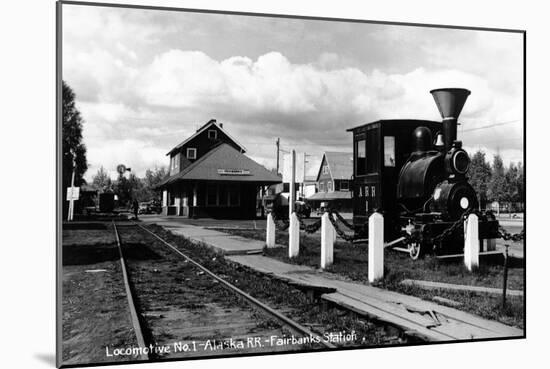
(450,101)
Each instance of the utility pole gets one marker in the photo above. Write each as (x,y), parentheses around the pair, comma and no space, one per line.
(292,189)
(277,143)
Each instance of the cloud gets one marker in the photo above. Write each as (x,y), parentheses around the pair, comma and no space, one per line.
(273,89)
(135,154)
(307,104)
(151,78)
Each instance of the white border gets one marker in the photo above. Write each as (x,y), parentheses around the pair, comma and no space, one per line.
(27,211)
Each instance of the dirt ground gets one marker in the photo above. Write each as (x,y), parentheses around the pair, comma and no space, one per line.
(180,305)
(95,307)
(195,308)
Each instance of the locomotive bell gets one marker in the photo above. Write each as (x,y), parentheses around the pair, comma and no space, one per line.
(450,102)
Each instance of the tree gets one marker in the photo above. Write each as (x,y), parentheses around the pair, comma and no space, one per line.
(497,186)
(479,174)
(127,189)
(72,146)
(101,181)
(152,178)
(521,183)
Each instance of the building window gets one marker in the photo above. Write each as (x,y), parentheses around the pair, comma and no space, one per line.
(223,196)
(325,169)
(344,186)
(212,134)
(234,195)
(360,162)
(321,187)
(174,163)
(191,153)
(212,195)
(171,199)
(329,186)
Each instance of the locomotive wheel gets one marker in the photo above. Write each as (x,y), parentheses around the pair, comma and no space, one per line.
(415,250)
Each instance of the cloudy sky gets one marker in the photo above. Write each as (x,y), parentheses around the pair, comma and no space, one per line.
(145,80)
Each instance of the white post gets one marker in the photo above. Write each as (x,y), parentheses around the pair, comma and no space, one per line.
(471,242)
(178,205)
(293,236)
(270,231)
(334,233)
(376,247)
(327,241)
(292,190)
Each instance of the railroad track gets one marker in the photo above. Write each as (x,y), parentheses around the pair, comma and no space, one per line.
(192,297)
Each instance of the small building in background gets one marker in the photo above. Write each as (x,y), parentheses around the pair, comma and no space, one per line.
(211,177)
(334,183)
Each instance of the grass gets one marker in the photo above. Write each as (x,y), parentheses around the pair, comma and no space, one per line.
(351,260)
(284,297)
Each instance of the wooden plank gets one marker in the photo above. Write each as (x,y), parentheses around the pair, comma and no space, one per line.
(380,314)
(388,305)
(443,300)
(456,256)
(458,287)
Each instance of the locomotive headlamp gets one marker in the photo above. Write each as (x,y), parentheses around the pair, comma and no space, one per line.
(460,162)
(457,160)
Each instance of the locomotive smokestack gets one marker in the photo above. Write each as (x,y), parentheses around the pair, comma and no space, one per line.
(450,101)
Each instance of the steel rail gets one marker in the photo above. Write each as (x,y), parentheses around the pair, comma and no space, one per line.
(289,322)
(131,305)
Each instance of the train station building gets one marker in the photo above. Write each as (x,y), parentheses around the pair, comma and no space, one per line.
(210,176)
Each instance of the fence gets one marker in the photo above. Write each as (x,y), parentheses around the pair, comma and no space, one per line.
(332,224)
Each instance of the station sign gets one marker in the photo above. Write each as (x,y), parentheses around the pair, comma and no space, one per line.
(73,193)
(234,172)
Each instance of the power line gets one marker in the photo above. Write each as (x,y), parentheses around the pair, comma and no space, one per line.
(490,125)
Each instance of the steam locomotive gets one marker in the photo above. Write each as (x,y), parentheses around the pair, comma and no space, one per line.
(414,172)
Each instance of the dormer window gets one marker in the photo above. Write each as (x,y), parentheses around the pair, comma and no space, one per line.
(191,153)
(212,134)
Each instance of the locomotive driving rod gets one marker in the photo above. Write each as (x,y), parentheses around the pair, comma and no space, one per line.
(387,244)
(391,243)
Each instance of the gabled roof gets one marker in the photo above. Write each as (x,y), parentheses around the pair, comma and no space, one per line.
(210,123)
(334,195)
(224,163)
(340,164)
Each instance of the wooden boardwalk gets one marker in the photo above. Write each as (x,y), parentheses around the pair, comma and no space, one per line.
(425,319)
(430,285)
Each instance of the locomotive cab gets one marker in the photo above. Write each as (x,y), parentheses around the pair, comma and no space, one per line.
(380,150)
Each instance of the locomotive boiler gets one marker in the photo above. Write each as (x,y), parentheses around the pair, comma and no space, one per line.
(415,173)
